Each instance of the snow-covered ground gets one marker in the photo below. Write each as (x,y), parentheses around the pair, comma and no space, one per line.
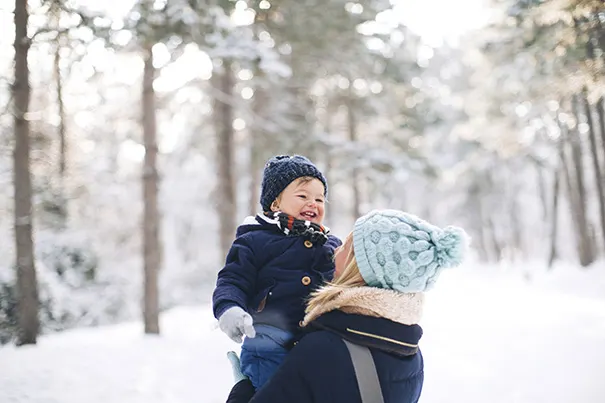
(489,337)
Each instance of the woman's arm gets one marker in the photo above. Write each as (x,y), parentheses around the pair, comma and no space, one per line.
(242,392)
(289,384)
(286,385)
(295,380)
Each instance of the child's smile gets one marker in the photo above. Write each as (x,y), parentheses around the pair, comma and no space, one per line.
(309,215)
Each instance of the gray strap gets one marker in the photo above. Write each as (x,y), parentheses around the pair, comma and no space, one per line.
(365,371)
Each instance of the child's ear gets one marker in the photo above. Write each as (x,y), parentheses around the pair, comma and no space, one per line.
(275,206)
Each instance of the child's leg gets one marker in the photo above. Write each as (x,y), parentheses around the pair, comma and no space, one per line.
(263,354)
(259,366)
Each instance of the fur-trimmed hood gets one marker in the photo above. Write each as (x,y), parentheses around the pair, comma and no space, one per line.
(404,308)
(380,319)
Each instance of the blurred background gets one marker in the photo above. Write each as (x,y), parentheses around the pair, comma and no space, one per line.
(133,136)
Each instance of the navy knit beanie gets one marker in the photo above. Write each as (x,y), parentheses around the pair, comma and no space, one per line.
(282,170)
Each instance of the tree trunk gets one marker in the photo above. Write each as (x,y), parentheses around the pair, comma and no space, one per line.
(327,127)
(586,251)
(596,164)
(255,174)
(600,32)
(554,216)
(62,135)
(478,224)
(61,111)
(486,187)
(223,116)
(310,127)
(542,191)
(575,203)
(27,286)
(517,237)
(601,114)
(497,249)
(352,126)
(256,154)
(151,217)
(600,107)
(572,197)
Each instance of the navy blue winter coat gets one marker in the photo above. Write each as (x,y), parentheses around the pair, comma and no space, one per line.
(319,368)
(270,275)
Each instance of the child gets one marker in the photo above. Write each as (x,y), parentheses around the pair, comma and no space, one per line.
(276,260)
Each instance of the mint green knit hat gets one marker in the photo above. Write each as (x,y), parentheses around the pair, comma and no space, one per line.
(399,251)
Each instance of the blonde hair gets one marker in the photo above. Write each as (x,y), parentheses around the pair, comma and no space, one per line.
(349,278)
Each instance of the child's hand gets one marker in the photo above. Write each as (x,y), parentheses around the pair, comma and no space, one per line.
(235,323)
(235,367)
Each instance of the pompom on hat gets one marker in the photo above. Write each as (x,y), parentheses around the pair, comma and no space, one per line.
(399,251)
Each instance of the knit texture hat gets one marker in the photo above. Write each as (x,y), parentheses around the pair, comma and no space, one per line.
(399,251)
(282,170)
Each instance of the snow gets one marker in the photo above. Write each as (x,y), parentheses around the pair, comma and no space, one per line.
(498,339)
(490,336)
(119,364)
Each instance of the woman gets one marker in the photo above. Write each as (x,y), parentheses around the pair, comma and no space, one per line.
(382,271)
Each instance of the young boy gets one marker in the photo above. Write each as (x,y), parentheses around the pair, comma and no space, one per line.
(276,260)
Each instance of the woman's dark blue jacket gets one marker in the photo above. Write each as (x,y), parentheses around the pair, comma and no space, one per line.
(319,368)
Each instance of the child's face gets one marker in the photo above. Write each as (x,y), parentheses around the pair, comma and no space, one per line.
(303,199)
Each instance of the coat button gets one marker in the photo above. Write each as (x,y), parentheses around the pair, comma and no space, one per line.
(308,244)
(306,280)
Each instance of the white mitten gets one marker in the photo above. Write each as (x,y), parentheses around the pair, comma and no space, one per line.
(235,322)
(236,367)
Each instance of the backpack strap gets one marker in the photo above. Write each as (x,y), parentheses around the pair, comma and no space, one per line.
(365,372)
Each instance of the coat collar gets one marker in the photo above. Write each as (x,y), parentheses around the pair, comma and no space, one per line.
(254,223)
(376,333)
(404,308)
(381,319)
